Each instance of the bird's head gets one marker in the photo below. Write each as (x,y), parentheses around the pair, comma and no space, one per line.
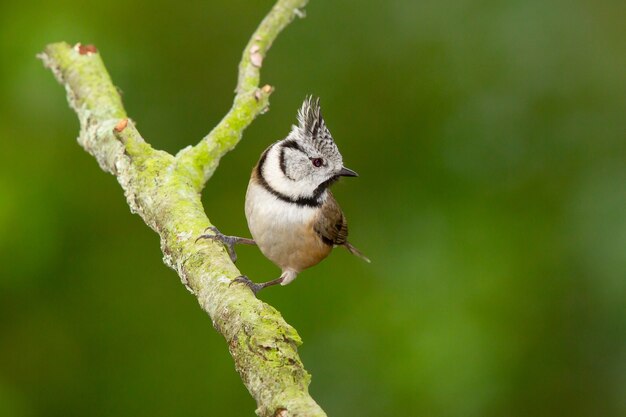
(309,155)
(307,161)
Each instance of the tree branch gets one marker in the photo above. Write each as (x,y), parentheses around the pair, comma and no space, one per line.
(250,100)
(165,191)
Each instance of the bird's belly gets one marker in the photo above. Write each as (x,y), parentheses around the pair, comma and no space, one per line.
(284,231)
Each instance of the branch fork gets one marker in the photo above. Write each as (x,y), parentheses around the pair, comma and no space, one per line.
(165,189)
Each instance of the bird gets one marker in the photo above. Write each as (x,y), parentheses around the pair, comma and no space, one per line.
(292,215)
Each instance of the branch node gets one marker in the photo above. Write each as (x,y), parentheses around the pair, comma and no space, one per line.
(256,58)
(121,125)
(85,49)
(263,93)
(281,412)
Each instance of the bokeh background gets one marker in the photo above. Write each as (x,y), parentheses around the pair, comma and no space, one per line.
(490,138)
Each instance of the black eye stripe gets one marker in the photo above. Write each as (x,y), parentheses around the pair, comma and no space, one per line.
(293,145)
(283,165)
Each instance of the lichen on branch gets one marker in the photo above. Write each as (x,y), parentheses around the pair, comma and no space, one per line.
(165,191)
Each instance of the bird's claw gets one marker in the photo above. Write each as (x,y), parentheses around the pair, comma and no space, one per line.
(242,279)
(227,241)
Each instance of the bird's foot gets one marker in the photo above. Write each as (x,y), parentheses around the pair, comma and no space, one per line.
(242,279)
(228,241)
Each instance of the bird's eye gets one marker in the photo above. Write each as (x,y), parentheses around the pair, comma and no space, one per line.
(317,162)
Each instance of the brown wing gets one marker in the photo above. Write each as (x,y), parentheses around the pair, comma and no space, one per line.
(331,224)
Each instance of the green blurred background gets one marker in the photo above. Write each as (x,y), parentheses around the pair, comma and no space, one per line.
(490,138)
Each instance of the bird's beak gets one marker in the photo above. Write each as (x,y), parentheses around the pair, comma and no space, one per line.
(346,172)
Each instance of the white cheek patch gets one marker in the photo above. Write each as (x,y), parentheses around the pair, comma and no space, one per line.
(276,179)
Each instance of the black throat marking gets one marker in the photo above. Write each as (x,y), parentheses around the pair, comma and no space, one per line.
(312,201)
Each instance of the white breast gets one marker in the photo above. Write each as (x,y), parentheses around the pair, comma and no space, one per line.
(278,227)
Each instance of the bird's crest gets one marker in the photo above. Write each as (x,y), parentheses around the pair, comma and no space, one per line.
(311,122)
(310,116)
(312,128)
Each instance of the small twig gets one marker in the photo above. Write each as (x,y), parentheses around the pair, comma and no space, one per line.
(250,100)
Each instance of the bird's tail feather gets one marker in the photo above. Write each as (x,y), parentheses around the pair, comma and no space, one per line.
(356,252)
